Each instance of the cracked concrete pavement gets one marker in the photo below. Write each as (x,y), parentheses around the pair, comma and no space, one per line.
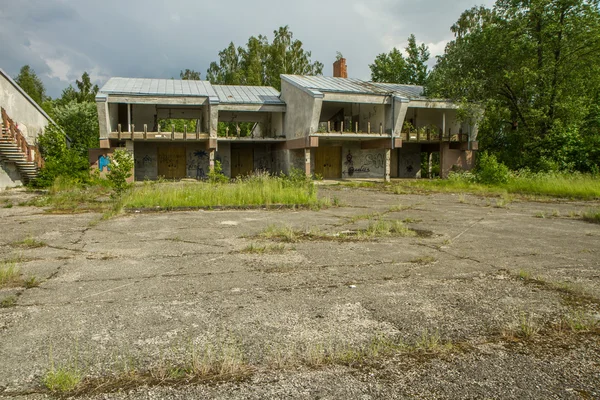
(141,284)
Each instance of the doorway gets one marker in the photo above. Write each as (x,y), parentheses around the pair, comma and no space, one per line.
(171,161)
(328,162)
(242,162)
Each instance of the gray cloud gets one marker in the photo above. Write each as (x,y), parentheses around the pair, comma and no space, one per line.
(61,39)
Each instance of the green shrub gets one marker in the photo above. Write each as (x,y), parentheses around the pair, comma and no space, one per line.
(121,164)
(490,171)
(216,176)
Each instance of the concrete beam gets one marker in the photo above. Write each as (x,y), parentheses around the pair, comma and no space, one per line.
(357,98)
(211,144)
(459,146)
(252,107)
(159,100)
(300,143)
(433,104)
(381,144)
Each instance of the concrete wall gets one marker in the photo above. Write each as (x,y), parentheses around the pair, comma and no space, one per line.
(376,113)
(113,116)
(197,160)
(22,110)
(9,175)
(303,111)
(409,161)
(146,161)
(458,159)
(359,163)
(223,155)
(143,114)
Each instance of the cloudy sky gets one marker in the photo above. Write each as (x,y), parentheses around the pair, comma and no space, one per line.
(61,39)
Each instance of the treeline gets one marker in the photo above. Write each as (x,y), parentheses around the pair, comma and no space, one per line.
(528,69)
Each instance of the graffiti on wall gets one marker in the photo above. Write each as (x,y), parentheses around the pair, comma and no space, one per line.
(103,161)
(197,164)
(145,164)
(363,162)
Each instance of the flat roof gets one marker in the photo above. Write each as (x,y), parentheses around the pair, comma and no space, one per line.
(158,87)
(247,95)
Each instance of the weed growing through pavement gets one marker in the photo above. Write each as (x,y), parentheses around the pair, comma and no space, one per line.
(9,301)
(30,243)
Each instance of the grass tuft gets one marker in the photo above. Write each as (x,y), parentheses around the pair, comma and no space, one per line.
(62,379)
(9,301)
(10,275)
(425,260)
(592,216)
(259,249)
(30,243)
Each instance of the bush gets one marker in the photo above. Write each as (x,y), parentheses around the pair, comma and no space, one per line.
(490,171)
(216,176)
(121,164)
(60,160)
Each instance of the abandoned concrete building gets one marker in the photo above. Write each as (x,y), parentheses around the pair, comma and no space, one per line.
(334,127)
(22,121)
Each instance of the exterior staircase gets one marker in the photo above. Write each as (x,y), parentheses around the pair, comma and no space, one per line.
(15,149)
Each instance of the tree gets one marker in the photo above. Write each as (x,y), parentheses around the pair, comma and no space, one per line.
(393,67)
(416,61)
(31,84)
(533,65)
(80,123)
(189,75)
(261,62)
(85,92)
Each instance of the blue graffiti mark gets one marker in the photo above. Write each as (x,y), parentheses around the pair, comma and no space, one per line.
(201,154)
(103,161)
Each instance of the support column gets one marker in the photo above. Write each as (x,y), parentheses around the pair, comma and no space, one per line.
(307,162)
(129,146)
(103,120)
(388,164)
(128,117)
(429,165)
(211,159)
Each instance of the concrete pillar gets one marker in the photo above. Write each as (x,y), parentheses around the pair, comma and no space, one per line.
(307,162)
(429,165)
(400,110)
(213,122)
(388,164)
(211,159)
(129,117)
(103,119)
(130,147)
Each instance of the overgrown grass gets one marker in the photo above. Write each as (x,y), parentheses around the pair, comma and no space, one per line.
(592,216)
(10,275)
(377,229)
(68,196)
(253,248)
(9,301)
(30,243)
(259,190)
(563,185)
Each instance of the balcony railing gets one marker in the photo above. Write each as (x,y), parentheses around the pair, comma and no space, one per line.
(132,134)
(351,129)
(432,135)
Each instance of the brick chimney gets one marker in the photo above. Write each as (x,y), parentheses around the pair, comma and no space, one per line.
(340,70)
